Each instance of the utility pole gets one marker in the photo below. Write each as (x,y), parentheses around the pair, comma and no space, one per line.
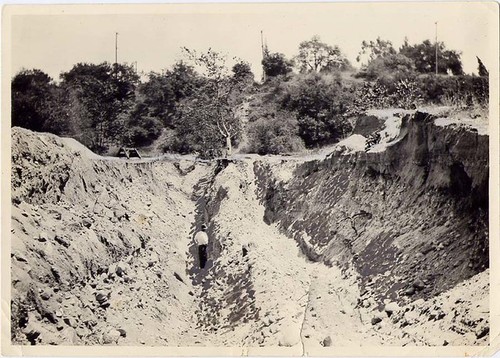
(436,48)
(263,54)
(116,48)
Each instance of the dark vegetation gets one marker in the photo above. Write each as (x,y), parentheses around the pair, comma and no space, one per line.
(193,107)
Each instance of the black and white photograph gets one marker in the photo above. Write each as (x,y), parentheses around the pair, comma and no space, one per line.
(238,179)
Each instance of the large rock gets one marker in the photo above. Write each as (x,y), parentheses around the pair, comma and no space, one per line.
(111,336)
(290,334)
(391,308)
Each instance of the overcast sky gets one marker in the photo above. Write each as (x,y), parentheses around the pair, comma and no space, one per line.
(54,40)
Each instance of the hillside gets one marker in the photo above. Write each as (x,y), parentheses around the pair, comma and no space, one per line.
(345,247)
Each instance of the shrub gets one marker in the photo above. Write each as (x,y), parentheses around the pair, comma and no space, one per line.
(278,134)
(455,90)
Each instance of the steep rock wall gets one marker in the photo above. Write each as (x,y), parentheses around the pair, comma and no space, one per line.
(412,219)
(98,245)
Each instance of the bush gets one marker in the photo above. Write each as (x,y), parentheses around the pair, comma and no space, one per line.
(278,134)
(144,132)
(461,91)
(321,104)
(390,68)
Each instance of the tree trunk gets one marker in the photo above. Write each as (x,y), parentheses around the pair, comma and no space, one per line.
(228,146)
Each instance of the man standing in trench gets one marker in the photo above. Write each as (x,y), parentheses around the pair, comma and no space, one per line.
(201,239)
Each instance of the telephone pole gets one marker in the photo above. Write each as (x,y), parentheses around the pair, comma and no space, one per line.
(436,47)
(263,54)
(116,48)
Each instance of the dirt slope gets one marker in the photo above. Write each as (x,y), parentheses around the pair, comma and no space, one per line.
(102,250)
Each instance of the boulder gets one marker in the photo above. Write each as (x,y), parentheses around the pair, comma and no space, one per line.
(43,236)
(482,332)
(376,320)
(418,284)
(60,240)
(86,223)
(391,308)
(121,269)
(409,291)
(111,336)
(327,342)
(120,214)
(123,333)
(290,334)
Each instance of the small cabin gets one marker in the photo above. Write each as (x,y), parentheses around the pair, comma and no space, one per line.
(128,153)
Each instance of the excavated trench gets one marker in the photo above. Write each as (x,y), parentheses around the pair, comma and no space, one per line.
(329,245)
(418,211)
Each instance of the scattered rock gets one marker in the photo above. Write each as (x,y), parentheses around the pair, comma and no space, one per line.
(426,249)
(43,236)
(70,322)
(111,336)
(409,291)
(33,337)
(86,223)
(123,333)
(120,214)
(60,240)
(482,332)
(178,277)
(19,257)
(290,334)
(391,307)
(102,299)
(418,284)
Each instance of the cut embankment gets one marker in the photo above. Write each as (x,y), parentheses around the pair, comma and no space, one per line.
(345,251)
(403,217)
(99,248)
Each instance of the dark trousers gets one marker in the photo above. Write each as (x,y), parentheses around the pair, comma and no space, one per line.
(202,254)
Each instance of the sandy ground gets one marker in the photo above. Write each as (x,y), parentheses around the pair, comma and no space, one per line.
(102,253)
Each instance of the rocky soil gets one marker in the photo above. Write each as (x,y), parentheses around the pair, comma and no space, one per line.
(385,247)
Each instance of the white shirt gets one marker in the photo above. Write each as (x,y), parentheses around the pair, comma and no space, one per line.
(201,238)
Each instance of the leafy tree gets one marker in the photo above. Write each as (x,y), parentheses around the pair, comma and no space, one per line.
(316,56)
(101,95)
(141,129)
(160,95)
(207,119)
(321,103)
(242,72)
(424,57)
(483,72)
(275,64)
(375,49)
(31,92)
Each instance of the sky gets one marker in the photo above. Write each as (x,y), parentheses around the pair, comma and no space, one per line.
(53,39)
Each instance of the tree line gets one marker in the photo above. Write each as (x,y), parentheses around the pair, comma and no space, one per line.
(192,107)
